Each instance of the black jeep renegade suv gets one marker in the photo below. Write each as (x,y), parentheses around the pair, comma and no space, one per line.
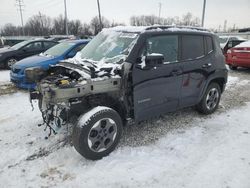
(130,73)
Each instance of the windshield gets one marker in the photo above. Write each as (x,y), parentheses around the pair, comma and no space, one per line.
(59,49)
(223,39)
(19,45)
(109,46)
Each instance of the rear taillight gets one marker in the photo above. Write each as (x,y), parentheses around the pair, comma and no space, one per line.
(229,51)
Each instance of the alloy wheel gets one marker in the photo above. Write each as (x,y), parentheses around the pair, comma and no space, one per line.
(102,135)
(212,98)
(11,62)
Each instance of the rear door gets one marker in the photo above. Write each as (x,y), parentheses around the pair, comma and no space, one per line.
(197,59)
(157,90)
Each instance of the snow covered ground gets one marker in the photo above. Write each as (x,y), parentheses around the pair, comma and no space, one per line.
(209,151)
(4,77)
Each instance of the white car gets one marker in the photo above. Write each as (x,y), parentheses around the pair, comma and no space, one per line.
(225,39)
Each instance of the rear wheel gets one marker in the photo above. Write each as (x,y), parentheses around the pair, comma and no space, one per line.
(210,100)
(232,67)
(97,133)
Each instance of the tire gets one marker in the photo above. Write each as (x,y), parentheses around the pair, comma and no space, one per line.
(9,62)
(97,133)
(231,67)
(211,99)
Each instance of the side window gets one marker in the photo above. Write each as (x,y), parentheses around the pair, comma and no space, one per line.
(192,47)
(33,46)
(48,45)
(167,45)
(209,44)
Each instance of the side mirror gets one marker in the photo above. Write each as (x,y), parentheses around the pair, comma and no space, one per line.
(150,61)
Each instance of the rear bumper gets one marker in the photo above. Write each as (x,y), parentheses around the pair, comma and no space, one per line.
(233,60)
(19,81)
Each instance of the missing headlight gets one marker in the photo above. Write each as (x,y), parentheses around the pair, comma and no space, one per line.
(35,74)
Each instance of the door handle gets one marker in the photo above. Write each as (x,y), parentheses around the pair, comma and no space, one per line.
(207,65)
(176,72)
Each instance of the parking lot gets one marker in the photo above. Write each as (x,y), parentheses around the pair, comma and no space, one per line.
(181,149)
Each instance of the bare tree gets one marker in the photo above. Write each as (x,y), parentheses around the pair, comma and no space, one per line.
(75,27)
(95,24)
(189,19)
(58,25)
(9,30)
(42,25)
(143,20)
(114,24)
(38,25)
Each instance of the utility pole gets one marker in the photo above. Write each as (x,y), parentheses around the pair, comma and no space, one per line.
(20,5)
(41,19)
(160,10)
(225,26)
(160,13)
(203,13)
(66,18)
(100,17)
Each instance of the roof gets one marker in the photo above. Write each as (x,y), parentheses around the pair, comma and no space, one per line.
(76,41)
(171,28)
(40,39)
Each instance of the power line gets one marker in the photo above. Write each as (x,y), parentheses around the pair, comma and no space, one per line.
(44,5)
(20,5)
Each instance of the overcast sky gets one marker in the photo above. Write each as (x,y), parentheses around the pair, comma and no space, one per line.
(234,11)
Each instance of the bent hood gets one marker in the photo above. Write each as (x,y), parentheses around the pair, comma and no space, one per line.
(37,60)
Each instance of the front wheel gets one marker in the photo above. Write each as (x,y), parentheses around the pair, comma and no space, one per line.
(10,62)
(97,133)
(232,67)
(210,100)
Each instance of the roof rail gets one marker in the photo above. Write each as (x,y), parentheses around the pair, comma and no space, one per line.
(174,26)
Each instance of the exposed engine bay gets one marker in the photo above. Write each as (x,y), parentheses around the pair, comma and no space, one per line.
(65,85)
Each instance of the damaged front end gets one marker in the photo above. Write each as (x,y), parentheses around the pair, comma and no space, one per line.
(62,90)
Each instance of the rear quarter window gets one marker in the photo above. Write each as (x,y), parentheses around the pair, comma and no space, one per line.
(209,44)
(192,47)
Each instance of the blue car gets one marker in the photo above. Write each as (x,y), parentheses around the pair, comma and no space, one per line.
(52,56)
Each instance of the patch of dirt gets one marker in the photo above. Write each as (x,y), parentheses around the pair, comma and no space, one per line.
(53,173)
(43,152)
(7,89)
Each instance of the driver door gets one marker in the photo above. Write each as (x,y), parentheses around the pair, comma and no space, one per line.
(157,90)
(31,49)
